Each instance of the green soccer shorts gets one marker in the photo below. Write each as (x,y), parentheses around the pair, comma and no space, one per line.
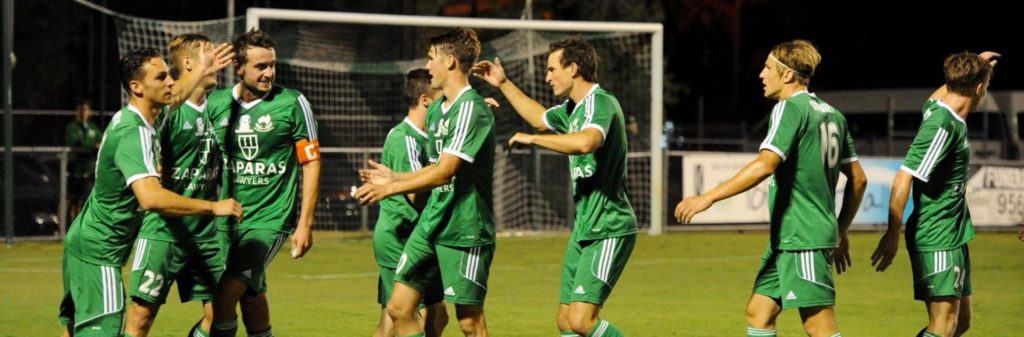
(206,263)
(154,268)
(386,286)
(463,270)
(591,268)
(250,252)
(944,273)
(93,298)
(797,279)
(196,266)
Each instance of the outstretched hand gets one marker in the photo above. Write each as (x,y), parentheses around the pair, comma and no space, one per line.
(216,59)
(377,174)
(690,207)
(491,72)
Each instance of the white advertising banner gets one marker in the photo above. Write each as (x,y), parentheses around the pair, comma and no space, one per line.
(702,171)
(995,195)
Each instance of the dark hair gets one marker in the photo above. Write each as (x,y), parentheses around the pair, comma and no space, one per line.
(132,62)
(575,50)
(461,43)
(417,83)
(252,38)
(964,71)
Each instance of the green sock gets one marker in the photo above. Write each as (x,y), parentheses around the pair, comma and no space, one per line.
(755,332)
(569,333)
(197,330)
(604,329)
(225,329)
(417,335)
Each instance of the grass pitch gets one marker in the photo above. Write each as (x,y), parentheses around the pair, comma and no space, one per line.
(681,284)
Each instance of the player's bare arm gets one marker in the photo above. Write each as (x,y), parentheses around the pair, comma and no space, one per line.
(494,74)
(751,175)
(856,183)
(420,181)
(889,244)
(153,197)
(302,239)
(210,62)
(583,142)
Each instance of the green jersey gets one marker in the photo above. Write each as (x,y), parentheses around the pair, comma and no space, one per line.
(258,140)
(460,213)
(599,177)
(939,158)
(403,152)
(812,139)
(103,232)
(190,167)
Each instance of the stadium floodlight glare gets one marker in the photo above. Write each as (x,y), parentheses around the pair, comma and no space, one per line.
(643,41)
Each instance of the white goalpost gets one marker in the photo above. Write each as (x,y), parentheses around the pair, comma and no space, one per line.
(651,157)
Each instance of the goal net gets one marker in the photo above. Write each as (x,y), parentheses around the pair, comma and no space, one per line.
(352,69)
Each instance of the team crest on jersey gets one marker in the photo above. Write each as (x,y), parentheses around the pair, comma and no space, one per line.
(249,144)
(243,124)
(200,127)
(263,124)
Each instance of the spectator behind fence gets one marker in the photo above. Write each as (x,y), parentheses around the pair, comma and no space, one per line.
(83,136)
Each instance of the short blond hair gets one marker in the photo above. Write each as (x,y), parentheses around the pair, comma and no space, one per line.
(185,45)
(800,56)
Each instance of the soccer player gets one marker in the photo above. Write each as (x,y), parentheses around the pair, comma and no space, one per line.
(404,152)
(184,249)
(267,133)
(455,233)
(807,146)
(940,225)
(127,180)
(589,127)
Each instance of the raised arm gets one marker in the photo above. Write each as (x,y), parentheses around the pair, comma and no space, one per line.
(530,110)
(210,62)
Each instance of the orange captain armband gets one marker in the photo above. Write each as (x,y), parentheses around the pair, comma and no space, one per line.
(308,151)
